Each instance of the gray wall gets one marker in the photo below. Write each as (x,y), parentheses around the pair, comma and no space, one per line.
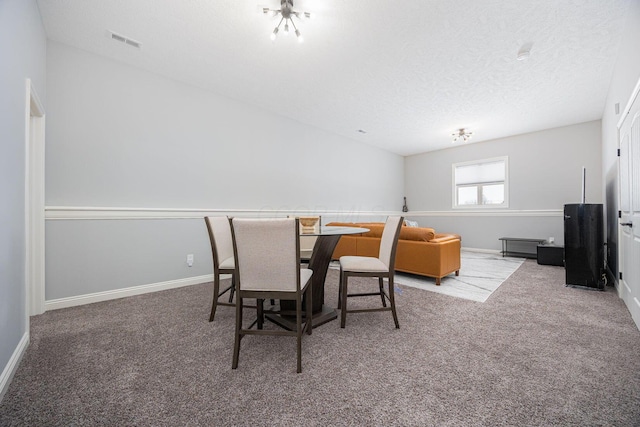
(87,256)
(22,55)
(625,76)
(118,136)
(544,174)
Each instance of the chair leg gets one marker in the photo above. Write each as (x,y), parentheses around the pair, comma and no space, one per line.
(309,310)
(236,344)
(381,283)
(260,312)
(216,291)
(233,288)
(392,300)
(343,304)
(340,289)
(299,332)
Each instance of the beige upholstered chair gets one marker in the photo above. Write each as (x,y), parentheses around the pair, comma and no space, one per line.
(380,267)
(223,262)
(267,259)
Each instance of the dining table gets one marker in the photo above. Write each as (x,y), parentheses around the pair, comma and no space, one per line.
(327,239)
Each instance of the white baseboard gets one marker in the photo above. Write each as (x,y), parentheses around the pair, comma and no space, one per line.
(483,251)
(10,370)
(125,292)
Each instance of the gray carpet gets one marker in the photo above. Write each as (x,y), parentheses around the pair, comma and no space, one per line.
(536,353)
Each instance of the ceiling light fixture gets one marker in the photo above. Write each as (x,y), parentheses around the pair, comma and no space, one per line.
(523,55)
(287,13)
(463,134)
(524,52)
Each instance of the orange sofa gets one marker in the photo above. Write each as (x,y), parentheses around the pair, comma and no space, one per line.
(420,250)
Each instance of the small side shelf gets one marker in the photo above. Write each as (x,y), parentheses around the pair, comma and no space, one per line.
(522,243)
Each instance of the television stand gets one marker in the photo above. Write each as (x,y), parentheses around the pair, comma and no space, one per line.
(523,244)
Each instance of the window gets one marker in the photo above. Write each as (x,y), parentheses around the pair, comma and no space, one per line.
(481,183)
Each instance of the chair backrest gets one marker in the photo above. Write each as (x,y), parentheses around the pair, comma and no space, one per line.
(267,254)
(389,240)
(220,237)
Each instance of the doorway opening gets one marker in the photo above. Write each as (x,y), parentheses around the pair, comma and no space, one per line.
(34,202)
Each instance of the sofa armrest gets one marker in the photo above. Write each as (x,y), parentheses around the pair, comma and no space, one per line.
(428,258)
(444,238)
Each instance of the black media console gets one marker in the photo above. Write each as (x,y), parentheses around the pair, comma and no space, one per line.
(520,246)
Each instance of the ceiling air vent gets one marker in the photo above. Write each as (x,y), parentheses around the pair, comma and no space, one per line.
(123,39)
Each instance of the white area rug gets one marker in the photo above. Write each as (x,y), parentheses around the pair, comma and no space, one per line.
(480,275)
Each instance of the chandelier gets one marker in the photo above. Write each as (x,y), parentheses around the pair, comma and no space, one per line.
(463,134)
(287,13)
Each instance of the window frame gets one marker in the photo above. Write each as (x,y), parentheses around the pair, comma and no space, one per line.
(455,187)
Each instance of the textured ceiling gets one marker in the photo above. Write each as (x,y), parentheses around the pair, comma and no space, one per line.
(408,72)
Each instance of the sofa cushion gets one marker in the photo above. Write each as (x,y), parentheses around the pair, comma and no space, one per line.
(375,229)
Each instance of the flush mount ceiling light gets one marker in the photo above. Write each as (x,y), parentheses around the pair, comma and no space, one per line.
(287,13)
(524,52)
(463,134)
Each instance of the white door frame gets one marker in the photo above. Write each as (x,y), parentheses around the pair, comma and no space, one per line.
(34,202)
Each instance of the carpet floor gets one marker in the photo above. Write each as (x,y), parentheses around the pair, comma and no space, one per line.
(536,353)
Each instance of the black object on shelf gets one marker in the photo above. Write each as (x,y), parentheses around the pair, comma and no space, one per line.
(584,245)
(550,255)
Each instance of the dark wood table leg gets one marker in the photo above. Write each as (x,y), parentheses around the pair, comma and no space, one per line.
(319,263)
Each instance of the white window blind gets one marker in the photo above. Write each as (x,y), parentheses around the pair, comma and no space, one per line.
(482,173)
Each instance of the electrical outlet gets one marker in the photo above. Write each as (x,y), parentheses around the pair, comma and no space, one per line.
(190,260)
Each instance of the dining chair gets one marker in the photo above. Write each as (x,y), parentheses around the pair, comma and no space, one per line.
(267,265)
(223,262)
(381,267)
